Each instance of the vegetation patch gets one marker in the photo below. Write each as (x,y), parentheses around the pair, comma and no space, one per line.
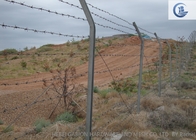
(15,57)
(124,85)
(8,129)
(169,120)
(8,51)
(96,89)
(1,122)
(45,48)
(23,64)
(41,123)
(66,117)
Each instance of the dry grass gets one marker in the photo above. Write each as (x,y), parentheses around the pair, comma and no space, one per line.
(41,62)
(158,114)
(150,103)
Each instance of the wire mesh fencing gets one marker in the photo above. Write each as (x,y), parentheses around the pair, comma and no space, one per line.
(127,99)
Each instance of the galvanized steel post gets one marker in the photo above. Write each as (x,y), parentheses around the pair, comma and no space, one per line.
(160,63)
(176,61)
(141,66)
(170,64)
(90,69)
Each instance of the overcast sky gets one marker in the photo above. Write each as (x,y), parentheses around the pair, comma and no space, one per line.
(151,15)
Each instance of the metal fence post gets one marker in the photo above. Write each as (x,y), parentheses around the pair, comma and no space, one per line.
(170,64)
(160,63)
(186,53)
(180,62)
(90,69)
(141,66)
(176,61)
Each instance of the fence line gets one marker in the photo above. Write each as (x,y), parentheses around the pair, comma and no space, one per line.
(39,31)
(46,10)
(61,84)
(108,13)
(118,18)
(109,27)
(75,76)
(82,54)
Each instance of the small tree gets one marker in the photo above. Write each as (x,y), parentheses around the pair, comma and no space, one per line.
(5,54)
(26,49)
(64,86)
(68,43)
(23,64)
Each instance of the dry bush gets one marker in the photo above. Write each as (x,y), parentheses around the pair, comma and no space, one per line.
(66,90)
(112,94)
(192,126)
(171,93)
(185,104)
(46,66)
(169,118)
(151,103)
(185,85)
(71,54)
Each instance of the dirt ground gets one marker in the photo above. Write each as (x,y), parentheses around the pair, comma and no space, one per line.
(123,61)
(18,95)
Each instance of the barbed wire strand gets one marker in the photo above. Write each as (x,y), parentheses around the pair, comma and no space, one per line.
(47,88)
(40,31)
(34,102)
(113,80)
(98,15)
(79,54)
(67,15)
(46,10)
(135,103)
(71,77)
(101,18)
(118,18)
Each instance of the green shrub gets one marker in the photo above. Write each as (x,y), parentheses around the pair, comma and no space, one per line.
(74,42)
(41,123)
(131,35)
(23,64)
(1,122)
(66,117)
(15,57)
(45,48)
(124,85)
(96,90)
(26,49)
(8,51)
(8,129)
(85,40)
(157,130)
(110,42)
(104,92)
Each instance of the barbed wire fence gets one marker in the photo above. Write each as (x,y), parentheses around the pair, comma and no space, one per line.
(119,86)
